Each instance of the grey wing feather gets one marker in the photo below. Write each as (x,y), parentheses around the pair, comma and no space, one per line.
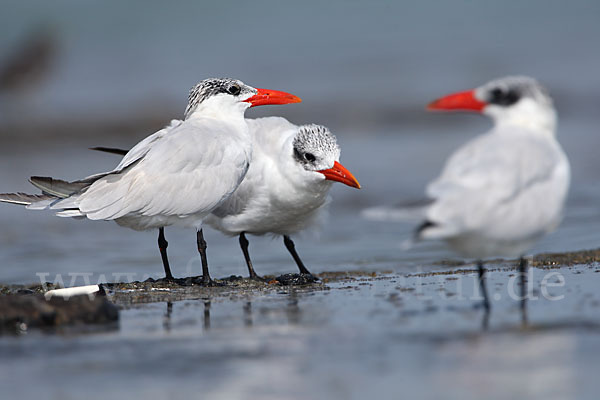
(142,148)
(57,190)
(64,189)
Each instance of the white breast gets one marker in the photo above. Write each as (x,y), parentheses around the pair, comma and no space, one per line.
(272,199)
(499,193)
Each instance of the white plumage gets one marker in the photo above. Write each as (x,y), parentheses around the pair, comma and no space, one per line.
(176,176)
(285,188)
(278,195)
(201,158)
(502,191)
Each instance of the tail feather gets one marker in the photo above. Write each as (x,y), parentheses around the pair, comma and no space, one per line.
(53,191)
(112,150)
(417,235)
(57,187)
(425,225)
(70,212)
(24,199)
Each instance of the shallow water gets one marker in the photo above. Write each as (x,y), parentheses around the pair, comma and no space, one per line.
(363,336)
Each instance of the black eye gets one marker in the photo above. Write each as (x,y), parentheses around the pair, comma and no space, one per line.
(504,98)
(234,90)
(496,94)
(309,157)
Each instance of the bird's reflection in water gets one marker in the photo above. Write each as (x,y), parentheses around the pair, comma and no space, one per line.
(206,318)
(167,317)
(485,320)
(522,303)
(286,313)
(292,310)
(248,322)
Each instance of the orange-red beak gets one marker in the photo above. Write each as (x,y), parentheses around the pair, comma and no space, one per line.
(265,97)
(339,173)
(461,101)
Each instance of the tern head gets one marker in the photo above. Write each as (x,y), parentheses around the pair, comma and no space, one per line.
(517,100)
(226,92)
(316,151)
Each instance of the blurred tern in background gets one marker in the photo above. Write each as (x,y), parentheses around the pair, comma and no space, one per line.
(177,176)
(502,191)
(286,186)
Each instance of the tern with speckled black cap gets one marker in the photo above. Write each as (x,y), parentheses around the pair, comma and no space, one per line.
(177,176)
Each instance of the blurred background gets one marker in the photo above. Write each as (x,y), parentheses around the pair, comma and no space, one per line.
(77,74)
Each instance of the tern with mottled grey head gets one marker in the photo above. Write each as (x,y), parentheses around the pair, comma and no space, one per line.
(286,187)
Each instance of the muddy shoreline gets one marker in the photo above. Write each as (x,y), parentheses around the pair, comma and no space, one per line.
(189,288)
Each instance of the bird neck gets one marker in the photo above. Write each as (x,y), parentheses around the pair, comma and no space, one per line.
(220,107)
(308,185)
(527,115)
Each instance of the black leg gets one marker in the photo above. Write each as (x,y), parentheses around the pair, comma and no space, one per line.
(202,250)
(523,273)
(481,273)
(289,244)
(244,245)
(162,246)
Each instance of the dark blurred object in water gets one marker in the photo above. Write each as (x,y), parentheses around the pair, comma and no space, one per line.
(30,61)
(19,312)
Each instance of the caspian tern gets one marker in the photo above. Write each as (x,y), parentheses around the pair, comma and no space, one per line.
(502,191)
(176,176)
(286,186)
